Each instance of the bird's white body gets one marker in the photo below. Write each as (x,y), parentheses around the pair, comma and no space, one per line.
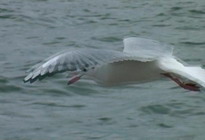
(126,72)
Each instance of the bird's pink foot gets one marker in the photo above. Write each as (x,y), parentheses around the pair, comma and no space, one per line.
(74,79)
(188,86)
(191,86)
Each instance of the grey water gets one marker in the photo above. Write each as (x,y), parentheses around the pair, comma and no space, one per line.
(31,30)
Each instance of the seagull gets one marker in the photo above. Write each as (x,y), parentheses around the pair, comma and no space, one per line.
(142,60)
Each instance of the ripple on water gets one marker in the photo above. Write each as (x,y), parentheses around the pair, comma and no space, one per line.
(56,91)
(163,125)
(191,43)
(176,8)
(174,109)
(9,88)
(6,86)
(155,109)
(3,80)
(83,88)
(107,39)
(56,104)
(197,11)
(106,121)
(85,91)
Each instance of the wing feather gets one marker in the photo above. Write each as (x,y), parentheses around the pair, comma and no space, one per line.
(146,48)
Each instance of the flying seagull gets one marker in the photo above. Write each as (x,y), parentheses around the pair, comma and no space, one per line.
(142,60)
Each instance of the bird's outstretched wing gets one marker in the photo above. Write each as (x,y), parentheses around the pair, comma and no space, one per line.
(146,48)
(80,60)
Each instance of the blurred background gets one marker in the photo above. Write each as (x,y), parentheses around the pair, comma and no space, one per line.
(31,30)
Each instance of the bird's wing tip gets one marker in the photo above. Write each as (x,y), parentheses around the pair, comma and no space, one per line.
(28,77)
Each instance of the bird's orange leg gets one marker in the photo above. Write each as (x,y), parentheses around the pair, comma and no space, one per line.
(189,86)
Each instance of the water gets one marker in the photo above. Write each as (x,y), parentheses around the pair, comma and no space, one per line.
(33,30)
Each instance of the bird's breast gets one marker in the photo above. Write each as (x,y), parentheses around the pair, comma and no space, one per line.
(125,72)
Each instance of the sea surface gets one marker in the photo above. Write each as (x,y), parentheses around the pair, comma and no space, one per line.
(32,30)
